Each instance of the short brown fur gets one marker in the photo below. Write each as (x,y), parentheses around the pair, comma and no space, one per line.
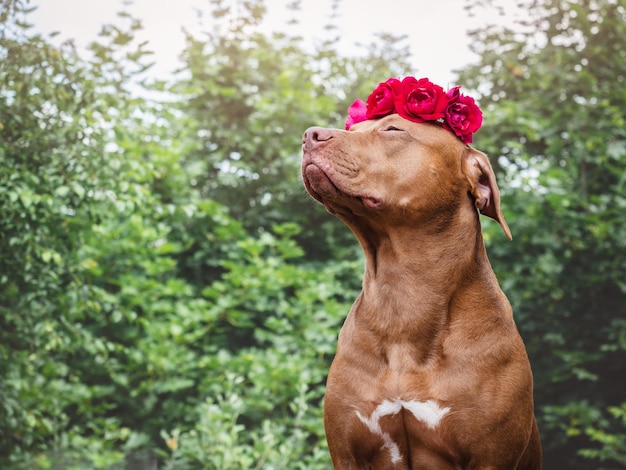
(431,322)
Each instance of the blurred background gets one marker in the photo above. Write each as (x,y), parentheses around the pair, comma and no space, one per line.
(170,297)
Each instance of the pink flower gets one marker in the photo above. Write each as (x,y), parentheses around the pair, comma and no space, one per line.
(381,101)
(421,100)
(356,113)
(462,116)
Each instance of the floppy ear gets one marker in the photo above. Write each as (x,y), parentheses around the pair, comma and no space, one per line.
(483,187)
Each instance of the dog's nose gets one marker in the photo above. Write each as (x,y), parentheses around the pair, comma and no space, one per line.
(318,134)
(313,136)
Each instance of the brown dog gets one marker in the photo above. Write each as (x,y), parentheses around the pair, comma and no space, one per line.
(430,371)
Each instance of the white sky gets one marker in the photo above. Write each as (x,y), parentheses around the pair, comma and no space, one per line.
(436,29)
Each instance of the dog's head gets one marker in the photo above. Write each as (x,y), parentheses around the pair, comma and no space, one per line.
(392,172)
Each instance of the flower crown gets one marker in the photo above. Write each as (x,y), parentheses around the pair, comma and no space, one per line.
(420,101)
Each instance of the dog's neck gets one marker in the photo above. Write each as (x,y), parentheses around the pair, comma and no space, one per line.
(417,286)
(422,251)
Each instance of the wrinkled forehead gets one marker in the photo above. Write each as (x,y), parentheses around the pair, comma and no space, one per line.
(431,134)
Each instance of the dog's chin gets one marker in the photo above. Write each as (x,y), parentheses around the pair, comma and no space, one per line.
(318,184)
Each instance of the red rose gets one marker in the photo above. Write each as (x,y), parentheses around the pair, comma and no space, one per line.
(421,100)
(463,116)
(356,113)
(380,102)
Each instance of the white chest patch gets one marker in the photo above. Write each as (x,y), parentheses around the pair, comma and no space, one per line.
(428,412)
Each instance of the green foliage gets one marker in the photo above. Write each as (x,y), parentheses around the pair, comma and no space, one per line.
(613,446)
(249,97)
(52,175)
(288,312)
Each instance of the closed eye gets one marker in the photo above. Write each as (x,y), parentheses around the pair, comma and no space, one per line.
(392,128)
